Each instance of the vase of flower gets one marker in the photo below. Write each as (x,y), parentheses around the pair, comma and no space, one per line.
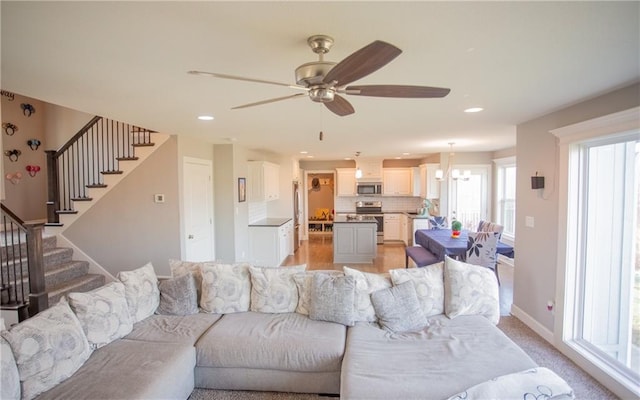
(456,227)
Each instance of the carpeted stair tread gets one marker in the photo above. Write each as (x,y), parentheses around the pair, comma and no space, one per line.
(84,283)
(65,272)
(56,256)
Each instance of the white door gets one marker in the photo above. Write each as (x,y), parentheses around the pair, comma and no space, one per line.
(469,199)
(198,210)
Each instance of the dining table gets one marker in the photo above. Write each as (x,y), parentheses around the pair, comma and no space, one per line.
(440,242)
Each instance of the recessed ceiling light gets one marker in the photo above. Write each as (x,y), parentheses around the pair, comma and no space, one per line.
(303,152)
(473,109)
(406,154)
(398,158)
(309,156)
(205,117)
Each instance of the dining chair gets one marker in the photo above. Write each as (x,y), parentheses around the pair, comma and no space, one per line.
(482,250)
(438,222)
(486,226)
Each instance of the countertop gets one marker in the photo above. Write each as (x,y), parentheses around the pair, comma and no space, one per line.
(358,219)
(270,222)
(410,214)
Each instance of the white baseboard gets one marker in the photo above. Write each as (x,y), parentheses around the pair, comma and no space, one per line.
(536,326)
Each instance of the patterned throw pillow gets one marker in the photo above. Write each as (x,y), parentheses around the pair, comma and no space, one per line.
(303,282)
(226,288)
(398,308)
(482,248)
(179,268)
(141,290)
(48,348)
(103,314)
(429,286)
(366,283)
(10,389)
(273,290)
(178,296)
(332,298)
(470,290)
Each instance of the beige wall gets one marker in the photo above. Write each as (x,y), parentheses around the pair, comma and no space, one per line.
(537,247)
(28,197)
(126,229)
(62,123)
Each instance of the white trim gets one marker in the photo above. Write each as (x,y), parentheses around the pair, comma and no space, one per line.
(505,160)
(537,327)
(621,122)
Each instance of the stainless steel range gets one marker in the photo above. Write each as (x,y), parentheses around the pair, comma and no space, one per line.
(373,209)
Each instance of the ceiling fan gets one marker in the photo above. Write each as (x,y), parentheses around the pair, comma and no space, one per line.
(324,81)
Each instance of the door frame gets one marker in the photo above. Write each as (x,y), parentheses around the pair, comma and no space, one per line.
(210,206)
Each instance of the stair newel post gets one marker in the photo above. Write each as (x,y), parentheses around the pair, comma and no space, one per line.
(53,188)
(38,298)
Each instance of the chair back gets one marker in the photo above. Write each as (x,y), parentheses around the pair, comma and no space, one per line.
(438,222)
(486,226)
(482,249)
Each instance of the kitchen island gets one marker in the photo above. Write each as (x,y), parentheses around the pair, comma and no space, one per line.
(354,239)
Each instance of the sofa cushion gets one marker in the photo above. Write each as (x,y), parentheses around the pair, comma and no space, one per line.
(178,296)
(273,290)
(366,283)
(103,313)
(48,348)
(141,289)
(332,298)
(185,329)
(128,369)
(226,288)
(285,342)
(398,308)
(429,284)
(10,388)
(470,290)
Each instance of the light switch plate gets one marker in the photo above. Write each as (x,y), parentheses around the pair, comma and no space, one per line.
(529,222)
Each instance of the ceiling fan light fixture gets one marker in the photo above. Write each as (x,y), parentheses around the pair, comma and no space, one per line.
(322,94)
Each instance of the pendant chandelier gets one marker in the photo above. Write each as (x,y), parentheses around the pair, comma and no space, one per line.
(454,173)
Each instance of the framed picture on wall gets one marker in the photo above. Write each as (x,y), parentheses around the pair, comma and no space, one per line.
(242,189)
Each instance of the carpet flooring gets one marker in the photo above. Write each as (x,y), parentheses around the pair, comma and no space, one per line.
(545,355)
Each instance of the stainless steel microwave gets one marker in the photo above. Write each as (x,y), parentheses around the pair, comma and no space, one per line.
(369,188)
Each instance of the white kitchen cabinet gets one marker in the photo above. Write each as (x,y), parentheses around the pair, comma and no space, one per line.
(429,185)
(397,182)
(270,245)
(404,228)
(263,181)
(371,170)
(346,182)
(417,223)
(392,227)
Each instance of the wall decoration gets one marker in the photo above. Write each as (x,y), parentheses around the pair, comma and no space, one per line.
(13,154)
(34,144)
(14,177)
(9,128)
(27,109)
(242,190)
(33,170)
(8,95)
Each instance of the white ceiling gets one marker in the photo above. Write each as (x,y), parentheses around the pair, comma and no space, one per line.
(128,61)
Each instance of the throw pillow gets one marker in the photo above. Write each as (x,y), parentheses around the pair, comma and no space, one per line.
(103,314)
(366,283)
(398,308)
(179,268)
(332,298)
(273,289)
(178,296)
(470,290)
(10,389)
(429,286)
(303,283)
(141,290)
(226,288)
(48,348)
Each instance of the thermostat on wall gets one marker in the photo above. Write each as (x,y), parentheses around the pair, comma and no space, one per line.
(158,198)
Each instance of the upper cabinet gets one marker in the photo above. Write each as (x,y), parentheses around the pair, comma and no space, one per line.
(371,170)
(263,181)
(346,182)
(397,182)
(429,185)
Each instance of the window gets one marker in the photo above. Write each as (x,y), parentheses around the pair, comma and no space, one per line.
(600,173)
(506,196)
(469,198)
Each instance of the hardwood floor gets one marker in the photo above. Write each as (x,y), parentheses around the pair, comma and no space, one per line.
(317,253)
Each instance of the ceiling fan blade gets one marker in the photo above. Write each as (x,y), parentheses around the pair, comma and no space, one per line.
(268,101)
(340,106)
(242,78)
(404,91)
(363,62)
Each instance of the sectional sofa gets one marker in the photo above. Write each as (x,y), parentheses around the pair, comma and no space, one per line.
(420,333)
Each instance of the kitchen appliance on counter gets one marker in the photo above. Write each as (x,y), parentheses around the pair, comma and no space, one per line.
(369,188)
(373,209)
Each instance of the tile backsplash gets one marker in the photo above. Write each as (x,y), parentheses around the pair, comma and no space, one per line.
(347,204)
